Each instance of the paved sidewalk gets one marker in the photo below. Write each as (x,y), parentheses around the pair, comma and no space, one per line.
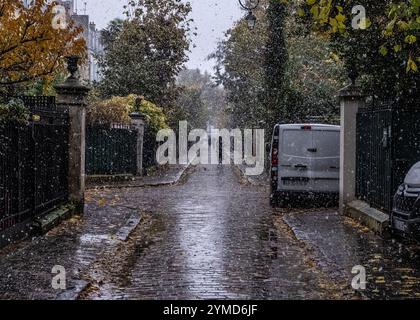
(166,175)
(338,244)
(171,175)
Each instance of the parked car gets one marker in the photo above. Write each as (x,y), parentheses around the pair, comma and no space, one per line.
(405,217)
(305,162)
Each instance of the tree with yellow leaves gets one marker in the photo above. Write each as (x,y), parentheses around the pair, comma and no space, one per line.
(33,40)
(397,21)
(378,40)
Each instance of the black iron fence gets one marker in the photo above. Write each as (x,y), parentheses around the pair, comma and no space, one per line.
(388,144)
(33,163)
(111,150)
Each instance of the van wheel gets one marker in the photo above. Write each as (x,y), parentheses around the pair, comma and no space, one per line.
(391,233)
(281,204)
(273,202)
(277,203)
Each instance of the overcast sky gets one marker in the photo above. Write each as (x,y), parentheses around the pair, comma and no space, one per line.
(211,17)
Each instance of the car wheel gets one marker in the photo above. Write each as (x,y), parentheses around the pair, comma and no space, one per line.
(392,233)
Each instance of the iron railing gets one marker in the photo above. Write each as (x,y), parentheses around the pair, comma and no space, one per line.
(111,150)
(388,144)
(33,164)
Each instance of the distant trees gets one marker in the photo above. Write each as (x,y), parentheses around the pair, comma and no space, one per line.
(290,67)
(200,100)
(270,77)
(145,52)
(240,60)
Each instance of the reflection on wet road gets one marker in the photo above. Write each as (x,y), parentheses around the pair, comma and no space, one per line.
(210,237)
(217,240)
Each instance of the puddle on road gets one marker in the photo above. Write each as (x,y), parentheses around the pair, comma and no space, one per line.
(88,239)
(114,270)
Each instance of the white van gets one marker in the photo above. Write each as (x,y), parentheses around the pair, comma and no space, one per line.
(305,162)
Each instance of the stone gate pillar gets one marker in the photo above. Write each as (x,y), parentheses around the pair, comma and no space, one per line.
(138,122)
(351,99)
(72,95)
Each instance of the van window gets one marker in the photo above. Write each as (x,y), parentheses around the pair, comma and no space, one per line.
(296,143)
(327,144)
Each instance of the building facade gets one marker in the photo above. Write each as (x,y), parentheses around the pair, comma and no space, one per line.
(89,72)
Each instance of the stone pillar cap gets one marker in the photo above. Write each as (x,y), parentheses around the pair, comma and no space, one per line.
(350,91)
(72,85)
(137,115)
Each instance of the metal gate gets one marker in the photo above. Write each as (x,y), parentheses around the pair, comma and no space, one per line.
(111,151)
(33,163)
(388,138)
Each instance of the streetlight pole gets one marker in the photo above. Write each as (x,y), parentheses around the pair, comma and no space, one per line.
(249,6)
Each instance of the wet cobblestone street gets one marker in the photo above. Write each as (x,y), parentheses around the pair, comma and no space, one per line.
(212,236)
(215,239)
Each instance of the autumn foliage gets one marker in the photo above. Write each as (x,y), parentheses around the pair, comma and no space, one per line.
(31,47)
(395,24)
(118,109)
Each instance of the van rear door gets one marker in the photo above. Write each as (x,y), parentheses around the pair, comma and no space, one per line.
(325,164)
(309,158)
(295,153)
